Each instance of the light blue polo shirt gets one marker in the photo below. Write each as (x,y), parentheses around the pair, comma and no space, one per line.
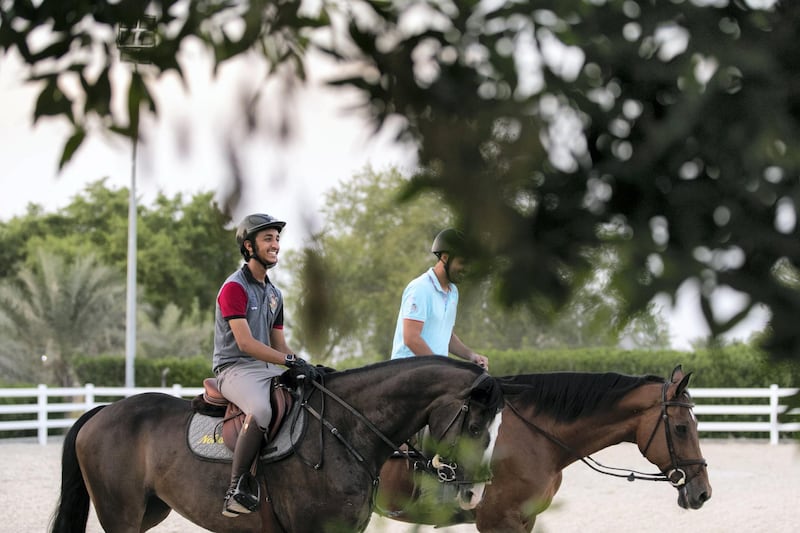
(426,301)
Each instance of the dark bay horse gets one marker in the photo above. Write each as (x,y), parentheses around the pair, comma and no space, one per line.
(131,457)
(552,420)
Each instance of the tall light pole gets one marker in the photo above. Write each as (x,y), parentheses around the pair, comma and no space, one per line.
(133,43)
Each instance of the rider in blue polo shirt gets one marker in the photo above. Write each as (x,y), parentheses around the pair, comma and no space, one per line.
(428,308)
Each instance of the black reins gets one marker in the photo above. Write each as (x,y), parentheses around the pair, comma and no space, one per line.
(633,474)
(443,470)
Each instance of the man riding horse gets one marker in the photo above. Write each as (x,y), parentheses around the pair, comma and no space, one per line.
(427,316)
(249,344)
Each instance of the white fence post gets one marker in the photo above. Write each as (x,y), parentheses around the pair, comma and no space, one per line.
(88,397)
(41,417)
(774,402)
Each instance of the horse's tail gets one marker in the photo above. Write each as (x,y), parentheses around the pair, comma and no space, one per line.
(72,510)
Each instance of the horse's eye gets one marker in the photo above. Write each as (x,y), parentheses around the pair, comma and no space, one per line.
(681,430)
(474,429)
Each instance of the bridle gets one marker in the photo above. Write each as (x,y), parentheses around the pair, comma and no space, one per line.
(675,475)
(445,472)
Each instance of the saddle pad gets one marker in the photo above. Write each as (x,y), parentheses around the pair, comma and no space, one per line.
(204,437)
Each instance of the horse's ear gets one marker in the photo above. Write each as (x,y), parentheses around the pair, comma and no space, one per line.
(683,384)
(487,391)
(677,373)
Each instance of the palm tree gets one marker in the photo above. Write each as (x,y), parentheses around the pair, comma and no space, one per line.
(56,310)
(175,334)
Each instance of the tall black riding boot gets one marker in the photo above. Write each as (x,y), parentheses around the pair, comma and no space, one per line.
(243,494)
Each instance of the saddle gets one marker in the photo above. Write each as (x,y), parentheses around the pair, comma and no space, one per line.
(216,404)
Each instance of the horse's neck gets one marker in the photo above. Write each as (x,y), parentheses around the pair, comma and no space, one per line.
(569,441)
(409,401)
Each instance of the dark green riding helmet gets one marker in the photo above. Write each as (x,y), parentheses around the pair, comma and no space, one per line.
(251,225)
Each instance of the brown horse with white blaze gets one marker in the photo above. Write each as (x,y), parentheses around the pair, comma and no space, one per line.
(552,420)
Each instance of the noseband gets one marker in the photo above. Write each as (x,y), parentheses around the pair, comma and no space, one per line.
(675,475)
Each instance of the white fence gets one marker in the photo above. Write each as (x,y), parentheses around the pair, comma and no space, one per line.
(745,414)
(759,417)
(41,406)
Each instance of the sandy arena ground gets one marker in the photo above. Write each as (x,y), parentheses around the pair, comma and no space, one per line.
(756,488)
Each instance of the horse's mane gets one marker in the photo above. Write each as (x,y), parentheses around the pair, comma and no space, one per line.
(567,396)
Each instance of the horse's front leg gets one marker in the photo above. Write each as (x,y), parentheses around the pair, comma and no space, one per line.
(506,520)
(512,502)
(506,508)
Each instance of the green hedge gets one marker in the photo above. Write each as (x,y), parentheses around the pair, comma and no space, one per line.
(109,371)
(737,365)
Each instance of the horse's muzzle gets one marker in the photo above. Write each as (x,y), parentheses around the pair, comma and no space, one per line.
(693,495)
(471,495)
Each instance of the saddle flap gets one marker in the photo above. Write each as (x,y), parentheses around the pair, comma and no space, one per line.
(281,400)
(232,424)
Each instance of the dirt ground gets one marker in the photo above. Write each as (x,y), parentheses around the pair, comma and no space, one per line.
(756,488)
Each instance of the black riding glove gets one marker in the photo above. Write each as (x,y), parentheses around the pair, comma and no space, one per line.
(301,367)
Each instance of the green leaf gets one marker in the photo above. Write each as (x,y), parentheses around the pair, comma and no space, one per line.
(52,101)
(71,146)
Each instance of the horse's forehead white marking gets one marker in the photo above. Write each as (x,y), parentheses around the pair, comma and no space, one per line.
(494,430)
(478,489)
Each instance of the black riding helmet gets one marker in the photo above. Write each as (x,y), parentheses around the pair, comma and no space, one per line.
(250,226)
(452,242)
